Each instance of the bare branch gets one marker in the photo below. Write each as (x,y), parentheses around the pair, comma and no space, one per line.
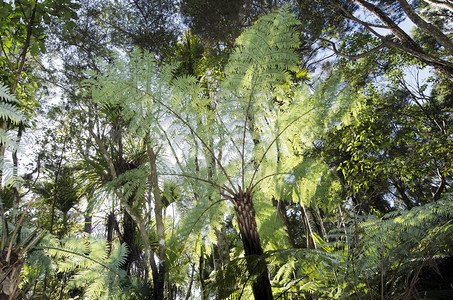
(406,44)
(352,57)
(444,4)
(386,20)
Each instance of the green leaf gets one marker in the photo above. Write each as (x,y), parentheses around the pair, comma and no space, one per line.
(4,12)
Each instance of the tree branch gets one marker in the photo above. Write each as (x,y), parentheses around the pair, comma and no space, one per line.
(352,57)
(386,20)
(23,55)
(444,4)
(407,44)
(426,27)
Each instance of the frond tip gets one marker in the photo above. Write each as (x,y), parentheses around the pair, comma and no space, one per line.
(6,95)
(8,110)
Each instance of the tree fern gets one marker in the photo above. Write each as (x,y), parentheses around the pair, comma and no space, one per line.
(226,134)
(9,112)
(132,182)
(259,65)
(377,257)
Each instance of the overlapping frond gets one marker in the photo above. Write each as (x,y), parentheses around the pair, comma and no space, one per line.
(10,114)
(95,262)
(132,182)
(264,55)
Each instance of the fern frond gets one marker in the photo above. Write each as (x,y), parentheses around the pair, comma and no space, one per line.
(11,179)
(264,53)
(95,263)
(9,112)
(6,95)
(132,183)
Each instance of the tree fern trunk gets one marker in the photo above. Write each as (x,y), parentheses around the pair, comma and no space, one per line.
(245,213)
(10,274)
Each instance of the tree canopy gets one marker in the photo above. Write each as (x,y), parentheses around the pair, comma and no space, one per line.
(226,149)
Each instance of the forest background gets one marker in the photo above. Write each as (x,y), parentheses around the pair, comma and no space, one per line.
(202,149)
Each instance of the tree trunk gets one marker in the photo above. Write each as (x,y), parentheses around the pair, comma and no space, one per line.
(139,221)
(400,188)
(427,27)
(245,213)
(10,274)
(312,228)
(21,64)
(129,238)
(88,228)
(220,255)
(189,289)
(201,277)
(281,208)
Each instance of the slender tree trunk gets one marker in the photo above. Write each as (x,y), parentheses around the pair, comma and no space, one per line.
(220,255)
(245,212)
(311,227)
(139,221)
(189,289)
(159,281)
(281,208)
(201,266)
(17,196)
(21,64)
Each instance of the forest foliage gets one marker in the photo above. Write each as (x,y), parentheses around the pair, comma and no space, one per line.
(226,149)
